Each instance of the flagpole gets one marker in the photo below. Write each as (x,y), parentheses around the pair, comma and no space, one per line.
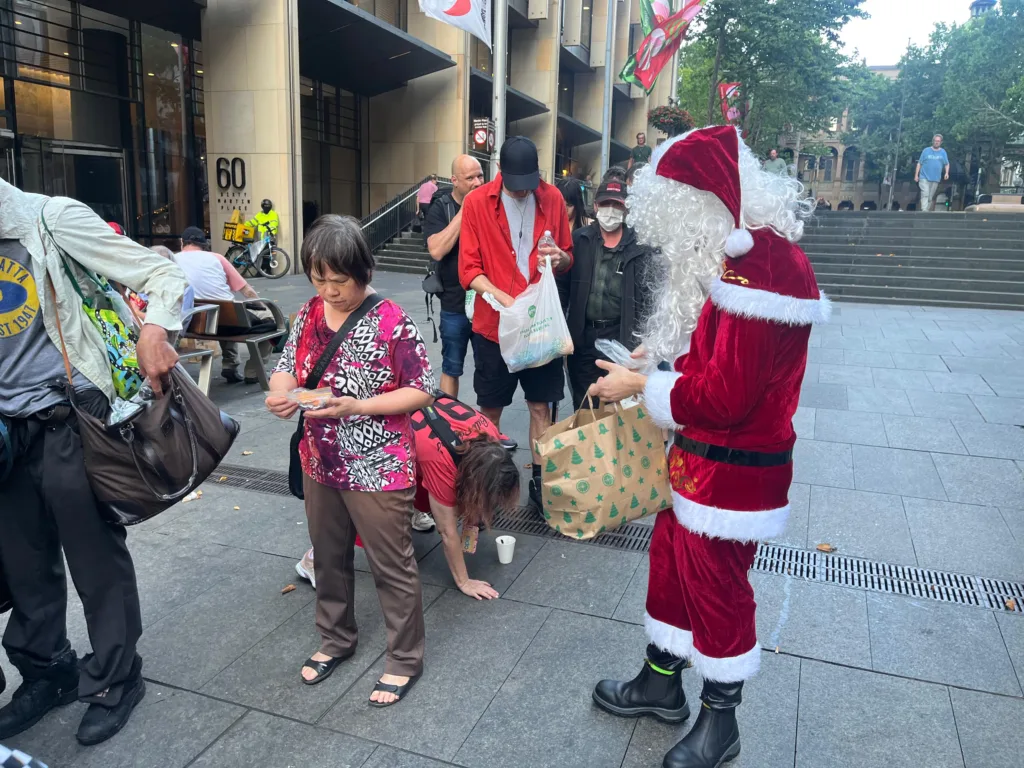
(499,61)
(609,76)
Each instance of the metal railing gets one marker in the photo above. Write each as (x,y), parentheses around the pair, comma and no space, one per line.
(394,216)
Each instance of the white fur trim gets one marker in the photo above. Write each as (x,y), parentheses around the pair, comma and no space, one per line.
(678,642)
(729,524)
(734,669)
(738,243)
(765,305)
(658,397)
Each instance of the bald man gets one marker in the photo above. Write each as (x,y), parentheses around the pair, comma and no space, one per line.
(442,226)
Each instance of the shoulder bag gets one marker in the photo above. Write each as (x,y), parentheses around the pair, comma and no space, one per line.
(313,381)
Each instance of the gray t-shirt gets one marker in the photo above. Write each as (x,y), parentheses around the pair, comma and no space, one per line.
(521,214)
(29,361)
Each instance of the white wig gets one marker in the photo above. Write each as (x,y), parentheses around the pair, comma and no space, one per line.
(688,229)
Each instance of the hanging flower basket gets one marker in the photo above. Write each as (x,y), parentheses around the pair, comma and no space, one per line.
(670,120)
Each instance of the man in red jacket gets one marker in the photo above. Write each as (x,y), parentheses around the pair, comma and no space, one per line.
(735,313)
(502,223)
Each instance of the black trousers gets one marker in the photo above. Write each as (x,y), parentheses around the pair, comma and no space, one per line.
(41,515)
(582,363)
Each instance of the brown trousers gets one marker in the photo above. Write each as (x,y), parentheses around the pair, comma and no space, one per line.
(383,522)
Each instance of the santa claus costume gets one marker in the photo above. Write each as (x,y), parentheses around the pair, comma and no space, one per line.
(743,297)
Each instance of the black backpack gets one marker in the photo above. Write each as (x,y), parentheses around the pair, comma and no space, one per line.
(431,284)
(442,430)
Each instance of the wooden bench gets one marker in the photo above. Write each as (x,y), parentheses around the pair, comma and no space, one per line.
(202,317)
(206,325)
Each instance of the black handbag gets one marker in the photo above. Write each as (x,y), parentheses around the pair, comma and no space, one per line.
(313,381)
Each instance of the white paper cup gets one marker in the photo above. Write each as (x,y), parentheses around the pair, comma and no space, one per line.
(506,546)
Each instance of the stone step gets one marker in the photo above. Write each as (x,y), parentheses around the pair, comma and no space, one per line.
(912,251)
(985,282)
(397,257)
(872,260)
(821,239)
(929,296)
(406,247)
(389,265)
(406,240)
(911,272)
(928,225)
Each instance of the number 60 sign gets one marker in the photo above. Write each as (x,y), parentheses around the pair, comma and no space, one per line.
(230,173)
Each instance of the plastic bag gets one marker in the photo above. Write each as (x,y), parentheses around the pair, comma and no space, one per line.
(533,332)
(617,352)
(470,304)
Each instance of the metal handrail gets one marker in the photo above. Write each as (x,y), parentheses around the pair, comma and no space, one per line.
(393,217)
(394,203)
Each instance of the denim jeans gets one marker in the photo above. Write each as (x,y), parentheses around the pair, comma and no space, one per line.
(456,330)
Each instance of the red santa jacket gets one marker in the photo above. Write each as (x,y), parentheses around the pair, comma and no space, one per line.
(738,387)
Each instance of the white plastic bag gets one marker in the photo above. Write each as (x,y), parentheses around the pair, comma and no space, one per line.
(617,352)
(470,304)
(533,331)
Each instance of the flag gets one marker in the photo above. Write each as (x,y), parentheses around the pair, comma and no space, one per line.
(731,102)
(664,33)
(474,16)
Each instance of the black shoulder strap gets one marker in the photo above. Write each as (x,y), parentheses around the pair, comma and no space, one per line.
(443,431)
(313,380)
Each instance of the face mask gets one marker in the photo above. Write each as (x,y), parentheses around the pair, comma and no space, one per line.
(610,218)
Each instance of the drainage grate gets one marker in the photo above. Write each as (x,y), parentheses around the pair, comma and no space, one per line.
(810,565)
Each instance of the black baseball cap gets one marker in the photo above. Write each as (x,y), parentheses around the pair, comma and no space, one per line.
(611,191)
(519,167)
(194,236)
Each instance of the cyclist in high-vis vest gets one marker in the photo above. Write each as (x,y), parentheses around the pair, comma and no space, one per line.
(266,221)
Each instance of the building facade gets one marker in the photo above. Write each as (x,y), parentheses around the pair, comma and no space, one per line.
(167,113)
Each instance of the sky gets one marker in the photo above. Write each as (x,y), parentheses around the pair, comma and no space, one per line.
(882,38)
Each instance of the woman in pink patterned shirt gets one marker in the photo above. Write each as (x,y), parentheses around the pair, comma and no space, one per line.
(357,452)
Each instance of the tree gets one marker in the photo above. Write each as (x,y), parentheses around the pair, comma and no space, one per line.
(787,56)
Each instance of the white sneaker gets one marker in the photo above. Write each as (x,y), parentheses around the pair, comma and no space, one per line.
(422,522)
(305,568)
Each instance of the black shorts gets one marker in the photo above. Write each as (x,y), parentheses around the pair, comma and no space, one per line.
(495,386)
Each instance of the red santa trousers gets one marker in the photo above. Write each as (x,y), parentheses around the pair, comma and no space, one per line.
(700,604)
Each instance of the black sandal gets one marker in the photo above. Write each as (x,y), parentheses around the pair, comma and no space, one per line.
(323,669)
(398,690)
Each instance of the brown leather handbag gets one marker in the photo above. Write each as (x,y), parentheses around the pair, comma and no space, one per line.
(144,464)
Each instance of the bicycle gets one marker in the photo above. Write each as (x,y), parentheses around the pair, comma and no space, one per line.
(263,257)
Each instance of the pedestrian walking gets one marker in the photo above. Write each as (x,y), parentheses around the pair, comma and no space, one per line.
(775,164)
(932,169)
(357,451)
(502,224)
(45,246)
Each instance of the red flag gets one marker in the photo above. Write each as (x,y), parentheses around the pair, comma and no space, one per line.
(730,98)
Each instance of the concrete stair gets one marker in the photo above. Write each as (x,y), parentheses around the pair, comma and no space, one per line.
(939,259)
(405,253)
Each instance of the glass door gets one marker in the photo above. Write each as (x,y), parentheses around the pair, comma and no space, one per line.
(7,157)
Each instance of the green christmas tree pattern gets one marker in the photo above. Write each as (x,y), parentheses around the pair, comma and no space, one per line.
(567,517)
(550,466)
(590,518)
(576,458)
(636,436)
(634,503)
(618,444)
(598,453)
(615,511)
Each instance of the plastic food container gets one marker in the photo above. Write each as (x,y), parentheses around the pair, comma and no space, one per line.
(310,399)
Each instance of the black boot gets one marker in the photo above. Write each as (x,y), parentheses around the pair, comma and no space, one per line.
(99,723)
(657,690)
(43,690)
(715,738)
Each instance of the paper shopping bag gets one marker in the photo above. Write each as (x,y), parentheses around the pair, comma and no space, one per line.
(602,469)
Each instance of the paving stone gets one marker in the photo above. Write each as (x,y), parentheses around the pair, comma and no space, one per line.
(926,639)
(795,534)
(984,366)
(803,421)
(269,444)
(823,396)
(849,427)
(857,375)
(973,349)
(860,524)
(818,621)
(549,692)
(898,379)
(483,565)
(959,383)
(964,538)
(1005,385)
(977,480)
(1014,519)
(936,404)
(191,645)
(862,331)
(823,463)
(811,374)
(841,342)
(267,741)
(895,332)
(1001,410)
(633,604)
(872,359)
(847,719)
(890,470)
(576,577)
(767,720)
(167,730)
(387,757)
(935,348)
(472,646)
(1000,441)
(918,362)
(982,722)
(922,434)
(886,345)
(871,400)
(1011,627)
(267,676)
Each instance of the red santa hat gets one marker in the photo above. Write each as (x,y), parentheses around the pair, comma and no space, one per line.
(709,160)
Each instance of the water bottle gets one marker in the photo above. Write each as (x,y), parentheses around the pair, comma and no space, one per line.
(547,241)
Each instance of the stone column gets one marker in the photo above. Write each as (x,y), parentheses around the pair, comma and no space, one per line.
(535,56)
(251,52)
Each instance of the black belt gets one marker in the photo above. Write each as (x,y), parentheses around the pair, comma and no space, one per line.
(732,455)
(603,323)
